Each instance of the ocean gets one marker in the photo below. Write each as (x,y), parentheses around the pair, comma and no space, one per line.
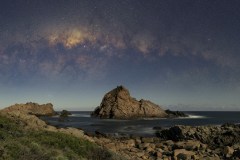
(142,127)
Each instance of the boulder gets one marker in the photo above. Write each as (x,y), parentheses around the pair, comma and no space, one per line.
(175,133)
(228,151)
(182,154)
(130,143)
(118,104)
(175,113)
(147,139)
(188,145)
(65,114)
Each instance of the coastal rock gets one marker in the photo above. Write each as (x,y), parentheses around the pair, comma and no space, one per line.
(26,115)
(120,105)
(32,108)
(188,145)
(177,150)
(175,113)
(182,154)
(225,135)
(174,133)
(65,114)
(228,151)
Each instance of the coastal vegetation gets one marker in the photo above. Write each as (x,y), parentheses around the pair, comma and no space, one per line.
(19,143)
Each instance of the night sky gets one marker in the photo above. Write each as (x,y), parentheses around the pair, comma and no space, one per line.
(179,53)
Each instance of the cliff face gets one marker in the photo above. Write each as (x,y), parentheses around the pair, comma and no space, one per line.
(120,105)
(32,108)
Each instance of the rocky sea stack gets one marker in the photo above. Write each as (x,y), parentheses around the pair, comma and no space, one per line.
(118,104)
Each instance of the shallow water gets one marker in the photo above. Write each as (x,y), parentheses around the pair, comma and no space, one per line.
(142,127)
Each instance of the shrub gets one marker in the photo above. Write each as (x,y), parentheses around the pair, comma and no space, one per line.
(19,143)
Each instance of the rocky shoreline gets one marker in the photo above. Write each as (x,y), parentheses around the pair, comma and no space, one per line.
(179,143)
(174,143)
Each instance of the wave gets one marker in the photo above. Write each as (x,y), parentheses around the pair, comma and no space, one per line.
(192,116)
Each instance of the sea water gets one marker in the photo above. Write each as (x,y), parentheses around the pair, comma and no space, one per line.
(142,127)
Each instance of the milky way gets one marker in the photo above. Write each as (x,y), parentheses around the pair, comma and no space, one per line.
(181,53)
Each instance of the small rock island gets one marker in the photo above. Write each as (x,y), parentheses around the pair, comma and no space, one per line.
(118,104)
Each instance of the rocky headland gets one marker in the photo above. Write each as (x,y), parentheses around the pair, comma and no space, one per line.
(118,104)
(32,108)
(28,116)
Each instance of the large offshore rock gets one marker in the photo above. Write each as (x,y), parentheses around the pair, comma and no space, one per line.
(119,104)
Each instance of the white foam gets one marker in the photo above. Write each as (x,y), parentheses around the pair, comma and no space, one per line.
(188,117)
(191,116)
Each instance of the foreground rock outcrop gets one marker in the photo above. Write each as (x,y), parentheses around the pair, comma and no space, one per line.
(119,104)
(215,136)
(180,143)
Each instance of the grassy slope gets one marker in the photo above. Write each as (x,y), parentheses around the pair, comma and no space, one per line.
(17,143)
